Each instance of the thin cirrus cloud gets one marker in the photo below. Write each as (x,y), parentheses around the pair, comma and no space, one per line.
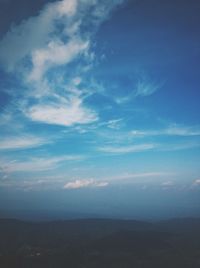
(57,53)
(130,178)
(145,88)
(139,177)
(127,149)
(178,146)
(55,38)
(22,142)
(37,36)
(78,184)
(173,130)
(167,184)
(36,164)
(34,32)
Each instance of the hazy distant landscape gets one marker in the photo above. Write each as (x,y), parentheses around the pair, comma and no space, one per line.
(95,243)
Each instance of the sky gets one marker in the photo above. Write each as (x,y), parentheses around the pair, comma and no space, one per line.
(99,108)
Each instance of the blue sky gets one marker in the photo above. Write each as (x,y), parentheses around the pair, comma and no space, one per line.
(100,106)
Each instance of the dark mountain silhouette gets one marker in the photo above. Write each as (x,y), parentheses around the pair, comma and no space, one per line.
(99,243)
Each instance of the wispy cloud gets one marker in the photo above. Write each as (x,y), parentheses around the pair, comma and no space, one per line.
(34,33)
(178,146)
(45,33)
(36,183)
(142,87)
(77,184)
(146,88)
(57,53)
(112,124)
(127,149)
(197,182)
(139,177)
(22,142)
(59,182)
(167,184)
(172,130)
(36,164)
(55,36)
(65,114)
(52,40)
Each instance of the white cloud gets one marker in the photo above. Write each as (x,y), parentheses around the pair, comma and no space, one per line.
(145,88)
(53,39)
(139,177)
(197,182)
(34,33)
(66,7)
(38,184)
(56,53)
(113,124)
(77,184)
(167,184)
(182,131)
(64,114)
(144,175)
(178,146)
(127,149)
(42,36)
(22,142)
(136,178)
(172,130)
(35,164)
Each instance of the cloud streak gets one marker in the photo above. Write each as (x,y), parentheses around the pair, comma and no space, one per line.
(55,36)
(57,53)
(36,164)
(22,142)
(137,148)
(146,88)
(34,33)
(127,149)
(196,182)
(78,184)
(59,35)
(139,177)
(173,130)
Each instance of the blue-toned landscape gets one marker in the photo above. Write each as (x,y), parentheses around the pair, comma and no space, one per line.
(100,121)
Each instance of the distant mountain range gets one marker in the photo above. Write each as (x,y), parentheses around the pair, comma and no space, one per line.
(95,243)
